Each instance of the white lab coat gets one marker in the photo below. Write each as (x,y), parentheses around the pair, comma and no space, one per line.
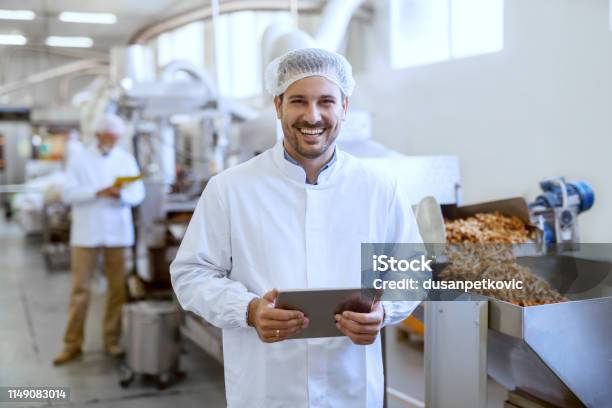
(258,226)
(101,222)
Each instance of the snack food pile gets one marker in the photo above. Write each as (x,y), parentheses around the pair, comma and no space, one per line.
(487,228)
(473,261)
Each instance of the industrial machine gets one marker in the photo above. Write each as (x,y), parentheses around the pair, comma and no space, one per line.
(15,133)
(558,354)
(56,235)
(556,210)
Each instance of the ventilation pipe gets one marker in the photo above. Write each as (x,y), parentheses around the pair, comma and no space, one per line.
(335,19)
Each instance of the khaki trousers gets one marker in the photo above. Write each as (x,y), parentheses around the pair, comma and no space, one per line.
(83,267)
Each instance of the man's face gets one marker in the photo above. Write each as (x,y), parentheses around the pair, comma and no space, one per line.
(311,113)
(107,140)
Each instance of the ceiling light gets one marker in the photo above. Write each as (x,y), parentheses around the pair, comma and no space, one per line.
(92,18)
(12,39)
(82,42)
(17,15)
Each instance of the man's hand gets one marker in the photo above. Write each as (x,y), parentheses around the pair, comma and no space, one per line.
(361,328)
(272,324)
(109,192)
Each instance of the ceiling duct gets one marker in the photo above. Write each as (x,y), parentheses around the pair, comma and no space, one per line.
(304,6)
(57,72)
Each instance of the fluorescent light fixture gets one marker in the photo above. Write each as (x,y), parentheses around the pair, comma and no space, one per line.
(81,42)
(12,39)
(17,15)
(91,18)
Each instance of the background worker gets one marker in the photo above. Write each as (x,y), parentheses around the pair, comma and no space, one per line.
(101,223)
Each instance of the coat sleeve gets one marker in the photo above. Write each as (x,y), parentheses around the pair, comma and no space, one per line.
(74,191)
(133,193)
(402,228)
(200,273)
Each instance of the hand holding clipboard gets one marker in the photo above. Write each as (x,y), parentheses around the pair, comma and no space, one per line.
(121,181)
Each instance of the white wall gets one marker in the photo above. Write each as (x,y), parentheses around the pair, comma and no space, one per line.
(538,109)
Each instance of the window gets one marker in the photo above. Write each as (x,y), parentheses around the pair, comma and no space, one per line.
(184,43)
(239,49)
(429,31)
(239,45)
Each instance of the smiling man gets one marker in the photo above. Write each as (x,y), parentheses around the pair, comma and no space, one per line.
(294,217)
(311,114)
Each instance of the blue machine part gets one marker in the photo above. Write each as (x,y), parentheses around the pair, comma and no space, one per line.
(549,233)
(586,193)
(580,194)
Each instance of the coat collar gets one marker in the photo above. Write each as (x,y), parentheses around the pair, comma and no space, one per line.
(297,173)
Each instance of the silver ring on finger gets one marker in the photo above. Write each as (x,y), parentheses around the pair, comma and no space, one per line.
(277,332)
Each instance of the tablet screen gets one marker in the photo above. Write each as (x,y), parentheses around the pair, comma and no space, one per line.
(321,305)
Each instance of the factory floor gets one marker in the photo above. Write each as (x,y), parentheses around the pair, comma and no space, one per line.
(33,306)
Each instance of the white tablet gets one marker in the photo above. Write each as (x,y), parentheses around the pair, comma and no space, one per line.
(321,305)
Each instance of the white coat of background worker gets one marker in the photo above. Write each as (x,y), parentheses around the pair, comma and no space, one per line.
(101,223)
(294,217)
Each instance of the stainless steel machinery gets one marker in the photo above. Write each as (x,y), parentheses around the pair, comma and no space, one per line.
(562,352)
(15,146)
(559,353)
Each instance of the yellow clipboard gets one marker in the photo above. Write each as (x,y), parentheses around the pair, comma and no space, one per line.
(121,181)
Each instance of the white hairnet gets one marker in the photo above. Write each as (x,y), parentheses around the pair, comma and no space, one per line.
(307,62)
(110,123)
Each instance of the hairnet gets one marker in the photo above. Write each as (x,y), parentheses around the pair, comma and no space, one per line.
(307,62)
(110,123)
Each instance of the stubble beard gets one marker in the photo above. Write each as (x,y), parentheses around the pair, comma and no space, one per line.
(303,149)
